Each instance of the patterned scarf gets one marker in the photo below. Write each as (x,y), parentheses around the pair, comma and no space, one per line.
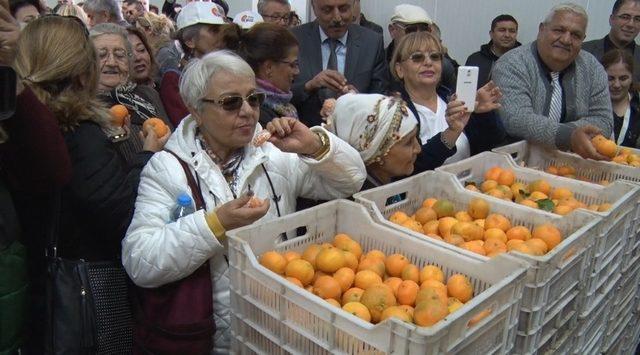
(125,94)
(277,100)
(230,168)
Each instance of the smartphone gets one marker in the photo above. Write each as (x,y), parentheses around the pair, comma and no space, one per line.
(467,85)
(7,92)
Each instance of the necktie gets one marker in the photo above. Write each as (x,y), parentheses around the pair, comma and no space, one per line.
(333,57)
(555,106)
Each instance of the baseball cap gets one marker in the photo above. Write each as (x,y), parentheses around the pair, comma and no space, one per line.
(200,12)
(246,19)
(410,14)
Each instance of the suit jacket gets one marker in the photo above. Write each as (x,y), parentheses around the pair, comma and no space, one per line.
(365,66)
(596,47)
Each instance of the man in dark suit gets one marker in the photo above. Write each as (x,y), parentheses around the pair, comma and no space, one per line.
(336,57)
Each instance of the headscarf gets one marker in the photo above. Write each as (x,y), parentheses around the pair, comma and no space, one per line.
(371,123)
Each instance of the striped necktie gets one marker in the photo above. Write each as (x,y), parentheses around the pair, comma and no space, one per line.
(555,106)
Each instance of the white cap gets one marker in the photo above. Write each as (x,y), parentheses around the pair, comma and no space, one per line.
(246,19)
(200,12)
(410,14)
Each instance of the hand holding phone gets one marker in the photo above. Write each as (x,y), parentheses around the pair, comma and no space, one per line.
(467,85)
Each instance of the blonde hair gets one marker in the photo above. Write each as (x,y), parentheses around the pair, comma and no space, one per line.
(73,10)
(56,59)
(411,43)
(161,27)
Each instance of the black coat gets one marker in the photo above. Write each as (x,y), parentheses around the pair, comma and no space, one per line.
(484,59)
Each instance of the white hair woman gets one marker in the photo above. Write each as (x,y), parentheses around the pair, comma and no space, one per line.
(212,147)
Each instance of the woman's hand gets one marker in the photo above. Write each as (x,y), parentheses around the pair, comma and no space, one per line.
(235,213)
(457,115)
(487,98)
(151,142)
(292,136)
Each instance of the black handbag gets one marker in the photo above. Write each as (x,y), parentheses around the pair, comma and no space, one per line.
(88,305)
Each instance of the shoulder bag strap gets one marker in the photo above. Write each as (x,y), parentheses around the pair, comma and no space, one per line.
(193,185)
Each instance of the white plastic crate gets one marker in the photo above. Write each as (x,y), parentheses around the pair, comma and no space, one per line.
(592,323)
(271,315)
(550,279)
(539,158)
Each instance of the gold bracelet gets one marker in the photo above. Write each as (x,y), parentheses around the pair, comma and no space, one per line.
(216,227)
(324,149)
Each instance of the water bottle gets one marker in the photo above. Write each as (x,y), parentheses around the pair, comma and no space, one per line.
(184,206)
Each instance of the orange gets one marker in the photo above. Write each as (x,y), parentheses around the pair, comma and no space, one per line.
(352,295)
(341,239)
(158,126)
(301,270)
(431,272)
(537,195)
(434,236)
(460,287)
(317,274)
(511,244)
(353,247)
(407,309)
(398,217)
(429,202)
(538,246)
(518,190)
(294,281)
(407,292)
(593,208)
(311,253)
(366,278)
(494,245)
(497,221)
(506,177)
(273,261)
(473,247)
(488,185)
(529,203)
(397,312)
(291,255)
(118,114)
(377,298)
(540,186)
(395,263)
(358,309)
(495,233)
(552,169)
(519,232)
(604,207)
(479,222)
(453,304)
(525,249)
(333,302)
(394,283)
(345,277)
(493,173)
(562,210)
(425,214)
(413,225)
(598,138)
(443,208)
(494,253)
(372,263)
(375,253)
(497,193)
(324,246)
(463,216)
(566,170)
(330,260)
(472,187)
(429,312)
(428,292)
(431,227)
(548,233)
(607,148)
(445,225)
(454,239)
(350,260)
(309,288)
(468,230)
(435,284)
(561,193)
(410,272)
(327,287)
(478,208)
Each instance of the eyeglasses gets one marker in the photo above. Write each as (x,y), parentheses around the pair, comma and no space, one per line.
(232,103)
(119,55)
(627,18)
(293,64)
(419,57)
(414,27)
(276,18)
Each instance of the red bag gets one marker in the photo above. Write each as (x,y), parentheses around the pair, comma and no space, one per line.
(177,318)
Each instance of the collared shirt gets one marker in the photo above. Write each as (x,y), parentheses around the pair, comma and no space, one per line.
(341,50)
(608,45)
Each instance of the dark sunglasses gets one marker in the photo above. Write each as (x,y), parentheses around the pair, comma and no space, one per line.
(419,57)
(415,27)
(74,18)
(232,103)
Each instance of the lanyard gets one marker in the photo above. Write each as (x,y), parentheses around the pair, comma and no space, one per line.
(625,124)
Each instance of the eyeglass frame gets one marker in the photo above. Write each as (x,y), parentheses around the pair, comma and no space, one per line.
(430,55)
(295,64)
(285,18)
(405,26)
(127,57)
(220,101)
(626,18)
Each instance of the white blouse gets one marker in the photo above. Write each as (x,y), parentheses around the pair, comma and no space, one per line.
(432,123)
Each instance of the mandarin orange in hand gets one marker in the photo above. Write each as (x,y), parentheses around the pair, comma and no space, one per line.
(118,114)
(158,126)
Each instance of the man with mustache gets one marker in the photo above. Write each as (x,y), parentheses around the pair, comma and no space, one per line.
(336,57)
(625,26)
(554,94)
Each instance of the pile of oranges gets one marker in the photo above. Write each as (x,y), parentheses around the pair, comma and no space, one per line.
(569,172)
(373,286)
(608,148)
(476,229)
(501,183)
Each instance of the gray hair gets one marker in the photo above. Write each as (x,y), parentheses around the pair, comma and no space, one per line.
(263,3)
(196,77)
(113,29)
(566,7)
(73,10)
(109,6)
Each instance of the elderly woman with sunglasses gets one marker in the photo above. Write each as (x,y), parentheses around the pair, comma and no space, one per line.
(116,85)
(443,128)
(219,145)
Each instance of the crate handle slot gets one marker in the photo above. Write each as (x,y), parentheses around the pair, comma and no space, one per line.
(481,315)
(396,199)
(463,175)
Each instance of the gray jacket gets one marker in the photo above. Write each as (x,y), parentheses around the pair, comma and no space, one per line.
(527,93)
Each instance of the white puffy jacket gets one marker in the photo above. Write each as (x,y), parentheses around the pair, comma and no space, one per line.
(157,251)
